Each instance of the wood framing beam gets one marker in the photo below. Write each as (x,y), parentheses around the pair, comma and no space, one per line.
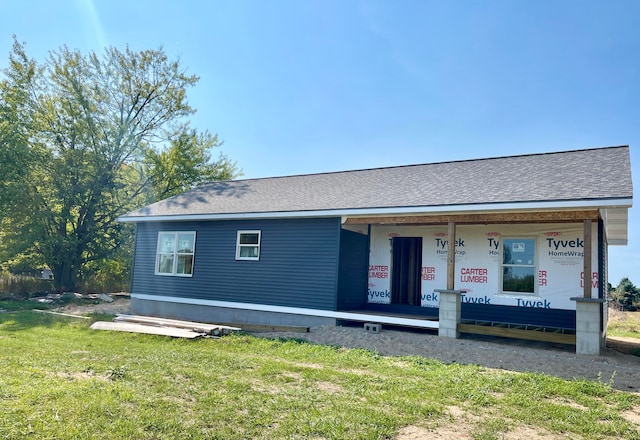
(451,256)
(502,217)
(586,278)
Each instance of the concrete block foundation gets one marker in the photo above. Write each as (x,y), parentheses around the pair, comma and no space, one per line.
(589,334)
(450,313)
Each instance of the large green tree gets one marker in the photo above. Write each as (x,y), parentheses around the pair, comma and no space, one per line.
(84,139)
(626,294)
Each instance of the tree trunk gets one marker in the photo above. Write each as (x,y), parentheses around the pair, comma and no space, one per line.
(65,276)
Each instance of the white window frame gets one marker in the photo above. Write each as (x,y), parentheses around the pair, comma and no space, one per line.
(175,254)
(534,265)
(240,246)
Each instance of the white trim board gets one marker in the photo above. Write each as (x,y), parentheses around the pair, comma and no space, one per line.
(292,310)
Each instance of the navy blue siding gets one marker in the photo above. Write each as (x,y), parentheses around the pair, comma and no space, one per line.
(603,270)
(298,264)
(353,271)
(602,261)
(479,312)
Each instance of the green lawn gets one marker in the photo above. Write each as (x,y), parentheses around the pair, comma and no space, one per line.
(625,324)
(61,380)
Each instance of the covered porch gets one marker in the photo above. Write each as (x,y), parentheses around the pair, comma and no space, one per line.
(466,314)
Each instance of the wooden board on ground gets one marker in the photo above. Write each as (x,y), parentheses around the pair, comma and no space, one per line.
(146,329)
(212,329)
(273,328)
(532,335)
(68,315)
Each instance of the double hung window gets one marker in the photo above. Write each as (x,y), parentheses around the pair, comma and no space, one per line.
(519,265)
(175,252)
(248,245)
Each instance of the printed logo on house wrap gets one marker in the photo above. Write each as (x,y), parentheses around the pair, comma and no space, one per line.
(557,264)
(542,278)
(378,271)
(594,279)
(442,246)
(379,296)
(564,250)
(474,275)
(493,242)
(428,273)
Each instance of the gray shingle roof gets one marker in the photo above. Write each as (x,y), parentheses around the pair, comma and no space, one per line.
(580,175)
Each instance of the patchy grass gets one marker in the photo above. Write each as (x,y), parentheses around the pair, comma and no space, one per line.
(59,379)
(10,303)
(626,324)
(13,305)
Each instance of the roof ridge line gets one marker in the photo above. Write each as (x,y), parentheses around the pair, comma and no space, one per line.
(549,153)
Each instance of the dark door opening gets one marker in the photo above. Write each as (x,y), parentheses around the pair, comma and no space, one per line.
(406,267)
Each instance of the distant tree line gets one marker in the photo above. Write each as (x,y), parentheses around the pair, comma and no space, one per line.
(626,296)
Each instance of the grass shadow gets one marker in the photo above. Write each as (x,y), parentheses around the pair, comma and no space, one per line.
(22,320)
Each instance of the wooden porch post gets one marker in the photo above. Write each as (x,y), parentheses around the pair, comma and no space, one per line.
(590,337)
(587,260)
(451,256)
(450,313)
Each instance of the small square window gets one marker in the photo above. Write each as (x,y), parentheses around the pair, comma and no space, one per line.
(248,245)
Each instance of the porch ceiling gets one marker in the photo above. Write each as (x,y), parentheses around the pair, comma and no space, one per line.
(478,218)
(616,219)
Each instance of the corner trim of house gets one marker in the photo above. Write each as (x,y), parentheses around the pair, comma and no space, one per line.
(347,316)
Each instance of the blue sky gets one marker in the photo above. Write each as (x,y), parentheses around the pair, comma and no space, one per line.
(297,87)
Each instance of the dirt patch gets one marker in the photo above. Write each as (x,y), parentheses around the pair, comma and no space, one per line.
(463,425)
(623,344)
(80,375)
(570,403)
(120,305)
(311,366)
(528,433)
(443,432)
(620,370)
(329,387)
(632,416)
(296,377)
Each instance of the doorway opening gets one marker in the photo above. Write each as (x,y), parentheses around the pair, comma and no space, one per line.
(406,270)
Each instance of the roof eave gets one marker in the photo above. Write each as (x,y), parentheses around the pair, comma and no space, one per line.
(350,212)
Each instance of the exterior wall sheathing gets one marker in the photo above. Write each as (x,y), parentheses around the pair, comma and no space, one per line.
(479,250)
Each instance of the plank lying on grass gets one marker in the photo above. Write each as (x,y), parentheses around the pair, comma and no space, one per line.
(212,329)
(68,315)
(146,329)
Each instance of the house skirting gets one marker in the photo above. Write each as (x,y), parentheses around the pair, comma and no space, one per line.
(226,311)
